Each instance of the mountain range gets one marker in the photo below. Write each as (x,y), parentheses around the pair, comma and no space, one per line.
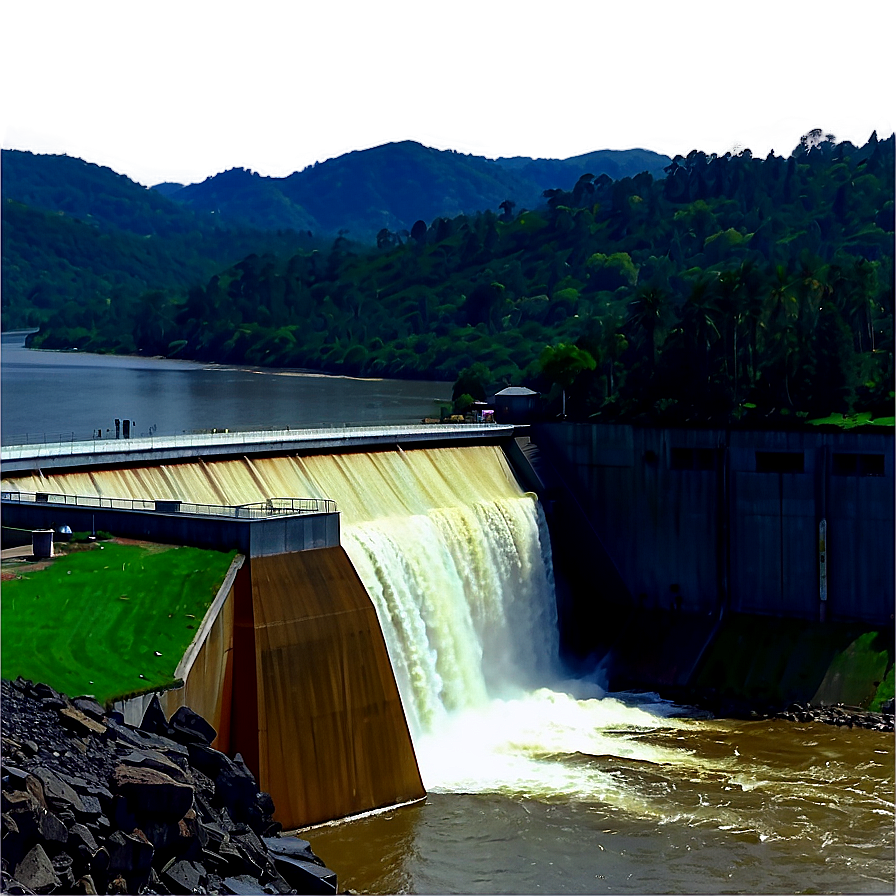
(73,230)
(394,185)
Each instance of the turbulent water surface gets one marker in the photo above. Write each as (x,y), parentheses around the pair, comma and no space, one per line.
(537,784)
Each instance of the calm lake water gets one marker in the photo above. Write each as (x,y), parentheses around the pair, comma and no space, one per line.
(74,394)
(551,794)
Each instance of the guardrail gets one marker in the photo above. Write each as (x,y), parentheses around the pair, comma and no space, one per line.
(258,510)
(63,448)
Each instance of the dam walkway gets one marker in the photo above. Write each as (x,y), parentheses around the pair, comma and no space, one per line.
(152,449)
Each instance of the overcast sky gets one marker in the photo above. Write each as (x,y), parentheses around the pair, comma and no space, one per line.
(182,90)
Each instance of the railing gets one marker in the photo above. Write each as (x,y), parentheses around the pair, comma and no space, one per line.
(259,510)
(65,447)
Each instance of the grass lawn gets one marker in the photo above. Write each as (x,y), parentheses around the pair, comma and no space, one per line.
(93,621)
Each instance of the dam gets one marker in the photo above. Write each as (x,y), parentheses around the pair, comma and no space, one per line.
(583,786)
(322,667)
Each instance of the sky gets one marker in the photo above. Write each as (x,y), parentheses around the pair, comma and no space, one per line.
(179,91)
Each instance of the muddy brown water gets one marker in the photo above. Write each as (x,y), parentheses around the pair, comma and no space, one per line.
(727,807)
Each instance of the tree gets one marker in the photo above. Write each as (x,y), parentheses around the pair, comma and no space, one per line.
(472,381)
(562,364)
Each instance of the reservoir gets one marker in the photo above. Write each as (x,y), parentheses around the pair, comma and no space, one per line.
(536,783)
(65,395)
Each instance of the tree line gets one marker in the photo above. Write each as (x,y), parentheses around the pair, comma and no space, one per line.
(732,288)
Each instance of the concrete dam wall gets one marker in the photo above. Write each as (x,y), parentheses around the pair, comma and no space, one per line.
(734,518)
(446,564)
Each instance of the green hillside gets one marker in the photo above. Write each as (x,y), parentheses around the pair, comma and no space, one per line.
(733,288)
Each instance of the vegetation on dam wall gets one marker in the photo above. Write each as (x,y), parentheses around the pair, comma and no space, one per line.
(108,621)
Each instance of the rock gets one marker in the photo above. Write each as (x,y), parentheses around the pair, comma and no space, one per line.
(184,877)
(36,872)
(78,834)
(187,726)
(130,855)
(90,708)
(51,703)
(291,847)
(41,691)
(79,722)
(62,866)
(58,794)
(154,720)
(182,807)
(92,807)
(53,832)
(99,863)
(151,792)
(241,885)
(87,886)
(306,877)
(122,815)
(154,759)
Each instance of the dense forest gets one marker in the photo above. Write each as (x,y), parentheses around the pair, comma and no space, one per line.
(76,233)
(731,288)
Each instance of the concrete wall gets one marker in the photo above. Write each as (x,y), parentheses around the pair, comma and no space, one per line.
(254,538)
(732,518)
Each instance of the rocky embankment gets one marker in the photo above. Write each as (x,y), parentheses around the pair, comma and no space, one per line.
(842,716)
(92,805)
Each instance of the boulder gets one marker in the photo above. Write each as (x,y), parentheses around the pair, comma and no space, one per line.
(154,721)
(156,760)
(151,792)
(36,872)
(306,877)
(184,876)
(90,708)
(291,847)
(188,726)
(58,793)
(79,722)
(130,855)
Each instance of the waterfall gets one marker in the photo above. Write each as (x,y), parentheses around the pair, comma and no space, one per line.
(456,560)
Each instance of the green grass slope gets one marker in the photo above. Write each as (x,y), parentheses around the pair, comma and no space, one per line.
(109,621)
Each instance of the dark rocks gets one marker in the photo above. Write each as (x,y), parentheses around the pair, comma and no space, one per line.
(841,716)
(92,805)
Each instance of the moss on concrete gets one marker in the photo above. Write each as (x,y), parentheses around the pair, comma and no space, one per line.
(108,621)
(769,661)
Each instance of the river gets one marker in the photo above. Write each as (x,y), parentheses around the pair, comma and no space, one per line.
(563,790)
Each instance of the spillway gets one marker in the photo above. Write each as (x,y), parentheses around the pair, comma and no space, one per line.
(453,554)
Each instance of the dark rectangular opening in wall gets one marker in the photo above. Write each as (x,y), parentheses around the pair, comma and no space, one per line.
(871,465)
(844,464)
(692,458)
(779,462)
(681,458)
(857,464)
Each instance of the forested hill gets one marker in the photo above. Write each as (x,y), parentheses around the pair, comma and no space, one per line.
(74,232)
(733,288)
(394,185)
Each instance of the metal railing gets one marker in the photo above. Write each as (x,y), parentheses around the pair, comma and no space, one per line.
(65,447)
(258,510)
